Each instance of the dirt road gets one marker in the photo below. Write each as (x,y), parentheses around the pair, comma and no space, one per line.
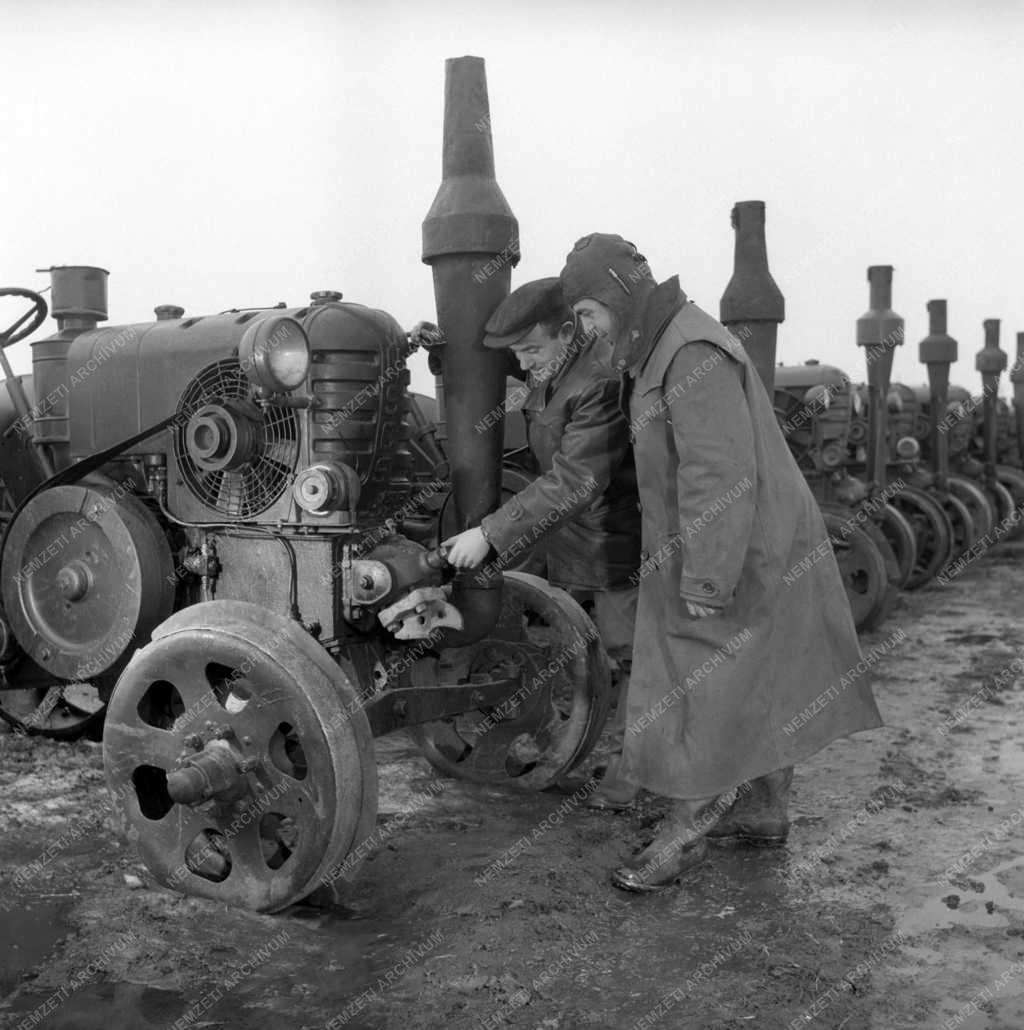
(899,901)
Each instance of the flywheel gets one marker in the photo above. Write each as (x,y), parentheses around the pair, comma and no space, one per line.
(552,720)
(87,574)
(240,759)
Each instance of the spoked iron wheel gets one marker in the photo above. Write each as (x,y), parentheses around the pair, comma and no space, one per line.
(892,567)
(552,720)
(900,534)
(981,508)
(965,535)
(240,759)
(932,530)
(862,566)
(1012,481)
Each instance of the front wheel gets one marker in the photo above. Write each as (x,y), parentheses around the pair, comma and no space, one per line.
(240,759)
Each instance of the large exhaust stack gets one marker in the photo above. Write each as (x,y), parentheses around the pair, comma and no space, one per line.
(471,242)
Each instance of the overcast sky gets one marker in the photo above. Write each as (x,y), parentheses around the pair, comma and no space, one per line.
(222,154)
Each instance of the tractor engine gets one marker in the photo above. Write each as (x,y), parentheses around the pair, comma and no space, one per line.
(815,405)
(257,455)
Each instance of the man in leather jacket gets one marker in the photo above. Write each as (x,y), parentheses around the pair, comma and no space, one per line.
(584,501)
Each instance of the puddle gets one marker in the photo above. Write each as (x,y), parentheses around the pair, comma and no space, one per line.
(112,1006)
(103,1006)
(995,756)
(979,901)
(30,931)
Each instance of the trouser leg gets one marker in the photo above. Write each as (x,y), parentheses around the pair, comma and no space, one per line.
(615,618)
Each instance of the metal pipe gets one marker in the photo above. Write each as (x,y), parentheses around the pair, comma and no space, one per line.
(753,306)
(471,242)
(78,301)
(990,362)
(938,350)
(1017,378)
(879,332)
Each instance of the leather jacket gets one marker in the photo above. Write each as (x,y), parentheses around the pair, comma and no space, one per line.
(584,502)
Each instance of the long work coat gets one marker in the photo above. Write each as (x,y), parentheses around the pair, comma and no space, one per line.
(584,502)
(727,522)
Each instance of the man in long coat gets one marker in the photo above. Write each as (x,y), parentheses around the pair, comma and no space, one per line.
(745,657)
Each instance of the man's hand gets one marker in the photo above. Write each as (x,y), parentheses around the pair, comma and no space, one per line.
(699,611)
(426,334)
(468,549)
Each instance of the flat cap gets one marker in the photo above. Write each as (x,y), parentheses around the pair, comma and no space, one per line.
(522,309)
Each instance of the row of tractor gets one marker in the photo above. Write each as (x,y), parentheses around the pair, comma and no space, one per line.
(913,482)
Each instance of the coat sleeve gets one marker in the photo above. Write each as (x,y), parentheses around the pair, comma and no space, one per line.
(716,479)
(594,443)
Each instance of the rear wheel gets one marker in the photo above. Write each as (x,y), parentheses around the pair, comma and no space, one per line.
(1012,481)
(861,565)
(932,531)
(900,534)
(551,722)
(981,508)
(965,535)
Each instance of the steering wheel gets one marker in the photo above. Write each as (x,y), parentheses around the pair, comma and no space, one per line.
(17,330)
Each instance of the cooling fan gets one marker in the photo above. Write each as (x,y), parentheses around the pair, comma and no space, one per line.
(235,456)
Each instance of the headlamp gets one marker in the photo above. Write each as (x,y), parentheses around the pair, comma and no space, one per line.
(274,354)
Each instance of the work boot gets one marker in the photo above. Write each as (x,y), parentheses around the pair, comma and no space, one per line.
(679,848)
(616,794)
(759,815)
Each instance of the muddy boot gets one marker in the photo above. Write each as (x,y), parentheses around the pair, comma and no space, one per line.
(759,815)
(616,793)
(679,848)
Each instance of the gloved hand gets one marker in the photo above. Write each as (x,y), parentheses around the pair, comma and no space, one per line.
(427,335)
(468,549)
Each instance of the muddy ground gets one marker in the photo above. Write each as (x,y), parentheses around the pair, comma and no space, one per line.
(899,901)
